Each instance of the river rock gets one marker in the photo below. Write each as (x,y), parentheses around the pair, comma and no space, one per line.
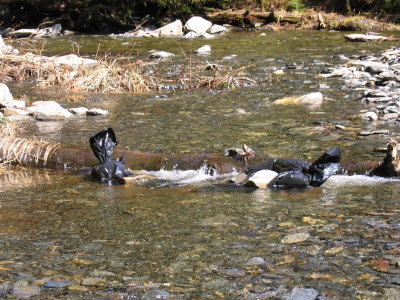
(312,98)
(22,289)
(160,54)
(303,294)
(370,116)
(48,110)
(256,261)
(59,284)
(96,112)
(206,49)
(171,29)
(8,112)
(260,179)
(52,31)
(93,281)
(216,29)
(374,132)
(1,115)
(294,238)
(7,49)
(74,60)
(191,35)
(78,110)
(156,294)
(6,99)
(198,25)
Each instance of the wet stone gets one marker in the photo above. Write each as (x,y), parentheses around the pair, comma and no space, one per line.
(234,272)
(295,238)
(255,261)
(156,294)
(58,283)
(303,294)
(93,281)
(22,289)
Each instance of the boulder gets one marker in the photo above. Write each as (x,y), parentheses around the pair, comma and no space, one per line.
(216,29)
(6,99)
(48,110)
(206,49)
(192,35)
(171,29)
(198,25)
(78,110)
(260,179)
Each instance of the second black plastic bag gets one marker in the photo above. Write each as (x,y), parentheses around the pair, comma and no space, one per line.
(108,170)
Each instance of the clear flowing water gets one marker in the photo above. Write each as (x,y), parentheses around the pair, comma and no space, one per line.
(190,235)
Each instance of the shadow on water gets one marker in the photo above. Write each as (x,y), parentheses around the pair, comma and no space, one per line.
(188,236)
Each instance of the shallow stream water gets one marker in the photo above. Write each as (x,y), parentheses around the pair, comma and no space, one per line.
(189,235)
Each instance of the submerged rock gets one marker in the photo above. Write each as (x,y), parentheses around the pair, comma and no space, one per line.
(303,294)
(22,289)
(295,238)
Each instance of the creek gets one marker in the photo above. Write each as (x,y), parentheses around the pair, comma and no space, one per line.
(190,235)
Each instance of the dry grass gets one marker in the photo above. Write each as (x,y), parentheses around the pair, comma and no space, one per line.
(113,75)
(106,76)
(22,151)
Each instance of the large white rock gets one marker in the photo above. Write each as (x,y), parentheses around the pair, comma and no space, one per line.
(216,29)
(47,110)
(260,179)
(198,25)
(171,29)
(206,49)
(6,99)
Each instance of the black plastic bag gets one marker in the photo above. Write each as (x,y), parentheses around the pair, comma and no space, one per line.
(108,170)
(298,173)
(325,166)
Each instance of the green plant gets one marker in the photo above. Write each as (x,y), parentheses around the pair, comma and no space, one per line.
(294,5)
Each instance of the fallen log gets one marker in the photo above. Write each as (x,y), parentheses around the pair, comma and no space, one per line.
(58,156)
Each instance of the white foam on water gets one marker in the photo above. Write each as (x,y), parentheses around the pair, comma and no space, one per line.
(354,180)
(186,177)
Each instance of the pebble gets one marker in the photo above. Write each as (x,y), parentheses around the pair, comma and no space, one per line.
(295,238)
(303,294)
(58,283)
(156,294)
(257,260)
(93,281)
